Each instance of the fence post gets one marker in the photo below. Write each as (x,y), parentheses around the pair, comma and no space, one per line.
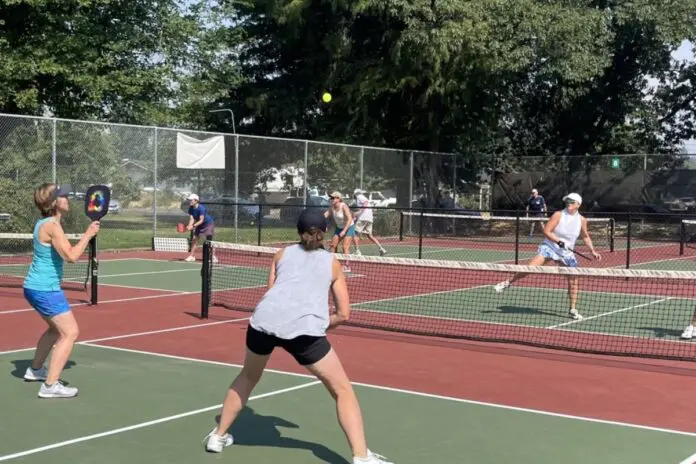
(628,241)
(682,236)
(306,170)
(154,189)
(54,155)
(517,237)
(236,188)
(410,192)
(259,226)
(401,226)
(362,161)
(612,232)
(420,235)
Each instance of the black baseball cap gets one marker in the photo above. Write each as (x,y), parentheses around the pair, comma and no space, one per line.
(62,190)
(311,218)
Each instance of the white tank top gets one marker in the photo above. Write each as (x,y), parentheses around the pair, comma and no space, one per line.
(567,229)
(338,216)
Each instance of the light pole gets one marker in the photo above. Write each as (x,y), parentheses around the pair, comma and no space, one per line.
(234,130)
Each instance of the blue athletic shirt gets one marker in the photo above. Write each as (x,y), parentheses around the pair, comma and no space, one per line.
(46,268)
(536,204)
(198,212)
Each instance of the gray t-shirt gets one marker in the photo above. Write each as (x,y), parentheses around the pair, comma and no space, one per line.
(298,302)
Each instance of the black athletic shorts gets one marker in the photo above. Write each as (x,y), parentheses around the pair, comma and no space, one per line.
(306,349)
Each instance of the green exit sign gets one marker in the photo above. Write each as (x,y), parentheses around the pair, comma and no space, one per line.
(615,163)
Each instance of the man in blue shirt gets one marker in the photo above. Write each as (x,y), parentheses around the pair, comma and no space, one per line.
(537,205)
(200,222)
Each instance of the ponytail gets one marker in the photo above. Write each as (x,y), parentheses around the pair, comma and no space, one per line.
(312,240)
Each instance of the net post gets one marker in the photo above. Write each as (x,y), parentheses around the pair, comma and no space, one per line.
(94,270)
(682,236)
(401,226)
(517,237)
(612,232)
(628,241)
(205,280)
(259,225)
(420,235)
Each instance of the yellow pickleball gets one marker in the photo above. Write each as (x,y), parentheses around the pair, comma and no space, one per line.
(326,97)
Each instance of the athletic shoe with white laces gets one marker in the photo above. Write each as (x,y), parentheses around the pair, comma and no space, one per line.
(574,314)
(190,259)
(57,390)
(35,374)
(500,288)
(215,443)
(688,333)
(372,458)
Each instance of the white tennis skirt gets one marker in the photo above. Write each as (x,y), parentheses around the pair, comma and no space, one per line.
(567,258)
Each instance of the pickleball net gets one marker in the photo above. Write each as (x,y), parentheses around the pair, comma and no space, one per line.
(625,312)
(16,256)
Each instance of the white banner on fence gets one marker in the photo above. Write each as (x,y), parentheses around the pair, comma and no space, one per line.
(192,153)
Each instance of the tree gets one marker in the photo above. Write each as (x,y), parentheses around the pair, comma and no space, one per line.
(111,60)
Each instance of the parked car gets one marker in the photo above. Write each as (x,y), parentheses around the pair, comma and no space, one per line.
(114,207)
(293,206)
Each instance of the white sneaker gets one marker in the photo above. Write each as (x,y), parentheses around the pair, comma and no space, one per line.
(57,390)
(358,253)
(35,374)
(215,260)
(346,269)
(372,458)
(574,314)
(215,443)
(382,252)
(190,259)
(688,333)
(500,288)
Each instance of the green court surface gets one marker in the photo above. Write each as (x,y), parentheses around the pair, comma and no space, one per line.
(456,252)
(145,408)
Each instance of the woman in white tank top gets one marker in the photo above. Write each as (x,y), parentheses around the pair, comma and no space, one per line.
(344,227)
(561,232)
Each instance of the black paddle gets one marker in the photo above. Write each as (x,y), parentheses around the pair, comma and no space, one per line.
(97,200)
(561,244)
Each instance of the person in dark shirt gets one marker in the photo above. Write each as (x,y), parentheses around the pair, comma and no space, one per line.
(200,222)
(537,206)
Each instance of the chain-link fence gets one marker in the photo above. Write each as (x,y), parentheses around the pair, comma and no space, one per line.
(149,190)
(263,174)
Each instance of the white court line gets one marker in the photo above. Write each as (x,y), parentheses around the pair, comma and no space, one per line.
(423,394)
(140,334)
(690,460)
(141,425)
(609,313)
(154,289)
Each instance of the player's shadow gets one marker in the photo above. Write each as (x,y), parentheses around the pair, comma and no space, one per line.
(521,310)
(253,429)
(20,367)
(661,332)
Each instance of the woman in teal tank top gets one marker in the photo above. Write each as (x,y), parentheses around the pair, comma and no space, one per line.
(43,291)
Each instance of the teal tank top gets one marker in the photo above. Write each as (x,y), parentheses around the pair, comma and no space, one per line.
(46,268)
